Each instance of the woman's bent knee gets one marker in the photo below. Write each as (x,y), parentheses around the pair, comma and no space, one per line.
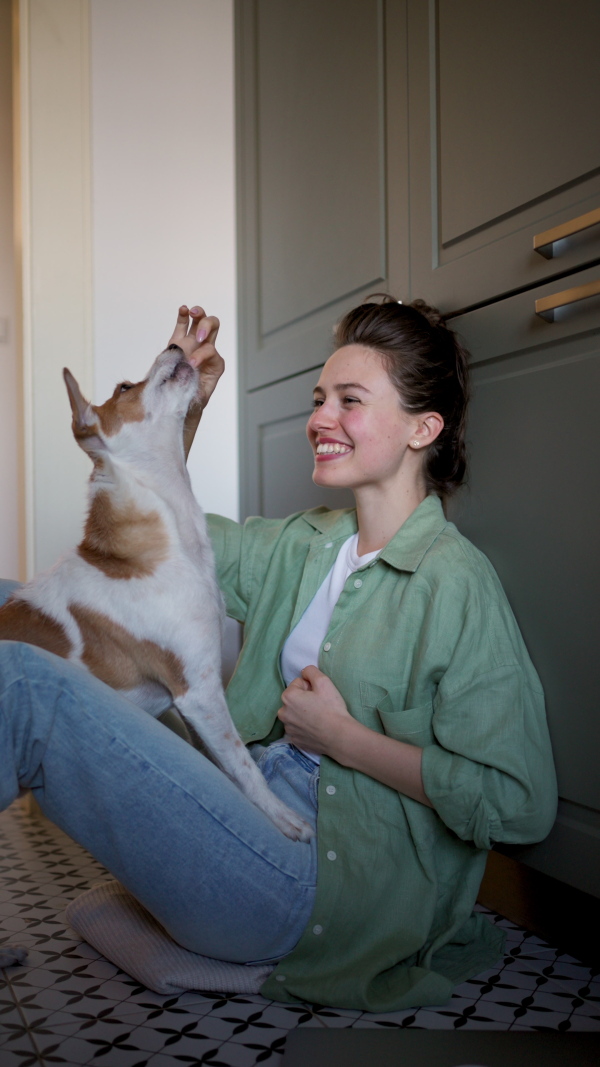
(6,588)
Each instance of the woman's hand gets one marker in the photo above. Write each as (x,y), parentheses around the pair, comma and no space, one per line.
(196,334)
(316,719)
(314,713)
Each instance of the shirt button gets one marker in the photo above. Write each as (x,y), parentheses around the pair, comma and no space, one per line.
(330,789)
(327,646)
(331,855)
(280,977)
(317,929)
(357,583)
(329,544)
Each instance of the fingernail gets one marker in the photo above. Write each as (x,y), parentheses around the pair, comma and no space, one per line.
(195,310)
(202,335)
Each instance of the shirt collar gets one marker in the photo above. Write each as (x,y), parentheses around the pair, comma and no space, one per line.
(407,548)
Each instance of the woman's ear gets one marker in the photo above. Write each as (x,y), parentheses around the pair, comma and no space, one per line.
(427,428)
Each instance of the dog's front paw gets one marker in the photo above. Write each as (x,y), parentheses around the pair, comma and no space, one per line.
(291,824)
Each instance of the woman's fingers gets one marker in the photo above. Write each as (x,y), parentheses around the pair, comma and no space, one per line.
(196,316)
(296,686)
(181,326)
(310,675)
(205,335)
(196,333)
(193,321)
(202,327)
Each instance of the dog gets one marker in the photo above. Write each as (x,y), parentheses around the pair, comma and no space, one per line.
(137,601)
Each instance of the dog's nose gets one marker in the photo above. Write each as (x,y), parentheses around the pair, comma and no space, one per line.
(176,347)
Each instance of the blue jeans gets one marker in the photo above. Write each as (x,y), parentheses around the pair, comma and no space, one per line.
(218,875)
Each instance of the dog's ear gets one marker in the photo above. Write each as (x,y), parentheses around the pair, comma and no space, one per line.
(85,421)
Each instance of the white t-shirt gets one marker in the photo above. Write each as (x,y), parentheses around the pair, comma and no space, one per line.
(304,643)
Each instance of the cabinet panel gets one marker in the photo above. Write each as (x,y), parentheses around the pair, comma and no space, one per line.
(503,118)
(280,459)
(313,168)
(533,508)
(508,103)
(320,208)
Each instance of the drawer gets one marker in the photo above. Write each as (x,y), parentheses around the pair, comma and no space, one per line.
(512,325)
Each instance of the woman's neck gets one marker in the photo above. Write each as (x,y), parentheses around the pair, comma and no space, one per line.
(380,514)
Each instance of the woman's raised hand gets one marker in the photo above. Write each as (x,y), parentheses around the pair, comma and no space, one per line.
(196,332)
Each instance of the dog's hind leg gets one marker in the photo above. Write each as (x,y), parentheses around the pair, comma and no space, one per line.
(210,721)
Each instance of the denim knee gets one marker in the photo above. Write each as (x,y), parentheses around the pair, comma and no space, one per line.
(21,660)
(6,588)
(11,662)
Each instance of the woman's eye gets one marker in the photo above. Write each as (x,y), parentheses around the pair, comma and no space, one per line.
(351,400)
(124,386)
(317,403)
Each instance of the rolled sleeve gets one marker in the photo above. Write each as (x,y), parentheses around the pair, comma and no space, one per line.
(490,773)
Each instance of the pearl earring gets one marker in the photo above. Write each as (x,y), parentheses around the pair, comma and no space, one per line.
(416,444)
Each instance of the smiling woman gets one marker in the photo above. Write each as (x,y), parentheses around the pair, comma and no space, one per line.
(409,688)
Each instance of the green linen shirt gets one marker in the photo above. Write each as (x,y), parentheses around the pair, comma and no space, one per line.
(425,648)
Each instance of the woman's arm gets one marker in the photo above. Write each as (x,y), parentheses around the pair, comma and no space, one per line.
(196,333)
(316,718)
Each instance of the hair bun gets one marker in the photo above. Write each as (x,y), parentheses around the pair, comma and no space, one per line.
(433,316)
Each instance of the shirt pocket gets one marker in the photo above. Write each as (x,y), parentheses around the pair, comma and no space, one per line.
(412,725)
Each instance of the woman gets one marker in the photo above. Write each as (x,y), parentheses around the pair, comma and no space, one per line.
(424,711)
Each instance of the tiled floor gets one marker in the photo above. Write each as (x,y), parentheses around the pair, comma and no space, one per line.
(70,1006)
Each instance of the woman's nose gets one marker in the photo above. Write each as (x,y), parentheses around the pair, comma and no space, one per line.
(323,416)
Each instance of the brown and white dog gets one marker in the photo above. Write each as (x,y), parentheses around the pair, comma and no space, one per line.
(137,602)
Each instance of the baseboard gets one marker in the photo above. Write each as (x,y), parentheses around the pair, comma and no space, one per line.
(562,915)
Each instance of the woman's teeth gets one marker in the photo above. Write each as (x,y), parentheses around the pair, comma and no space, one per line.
(324,449)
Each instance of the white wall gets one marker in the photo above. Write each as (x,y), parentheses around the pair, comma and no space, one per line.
(163,202)
(9,393)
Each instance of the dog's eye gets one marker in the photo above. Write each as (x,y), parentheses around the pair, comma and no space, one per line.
(124,386)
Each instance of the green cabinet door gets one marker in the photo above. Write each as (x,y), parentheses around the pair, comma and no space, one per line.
(533,506)
(504,99)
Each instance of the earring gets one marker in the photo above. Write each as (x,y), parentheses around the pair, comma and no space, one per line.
(416,444)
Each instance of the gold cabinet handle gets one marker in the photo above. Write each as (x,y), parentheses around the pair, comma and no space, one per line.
(546,307)
(544,242)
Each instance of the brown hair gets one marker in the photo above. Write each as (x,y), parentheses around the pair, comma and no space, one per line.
(428,366)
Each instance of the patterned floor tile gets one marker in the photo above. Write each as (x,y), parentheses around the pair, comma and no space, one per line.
(588,1007)
(72,1051)
(539,1018)
(21,1054)
(229,1055)
(583,1023)
(11,1025)
(482,1014)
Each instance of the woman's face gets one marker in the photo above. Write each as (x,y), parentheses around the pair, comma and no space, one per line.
(358,431)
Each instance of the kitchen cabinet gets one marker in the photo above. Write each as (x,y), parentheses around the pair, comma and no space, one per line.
(504,142)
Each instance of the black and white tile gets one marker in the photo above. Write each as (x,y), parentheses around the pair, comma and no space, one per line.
(70,1006)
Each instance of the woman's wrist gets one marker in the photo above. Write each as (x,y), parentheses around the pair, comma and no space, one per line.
(346,744)
(394,763)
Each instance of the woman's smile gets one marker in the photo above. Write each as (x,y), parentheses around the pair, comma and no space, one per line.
(329,448)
